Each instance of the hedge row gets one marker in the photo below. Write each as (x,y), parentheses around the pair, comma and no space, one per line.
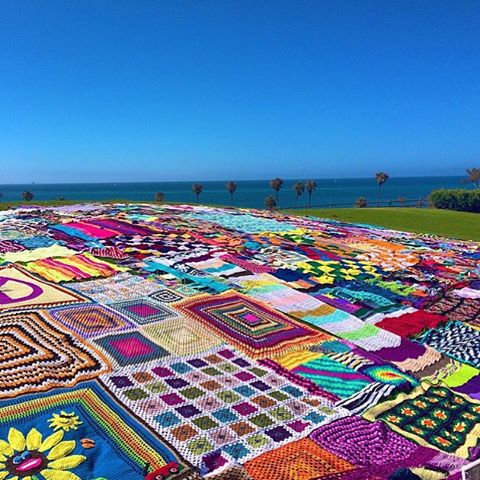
(458,199)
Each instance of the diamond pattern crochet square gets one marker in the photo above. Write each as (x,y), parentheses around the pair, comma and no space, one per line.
(248,324)
(144,311)
(181,336)
(130,348)
(199,415)
(91,320)
(166,296)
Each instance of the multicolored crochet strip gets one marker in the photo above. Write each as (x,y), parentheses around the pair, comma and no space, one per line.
(148,342)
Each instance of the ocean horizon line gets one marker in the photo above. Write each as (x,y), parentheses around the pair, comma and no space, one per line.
(289,179)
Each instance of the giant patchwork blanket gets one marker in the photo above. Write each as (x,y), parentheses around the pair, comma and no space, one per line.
(170,342)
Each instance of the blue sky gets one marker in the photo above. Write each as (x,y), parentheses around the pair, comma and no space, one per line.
(117,90)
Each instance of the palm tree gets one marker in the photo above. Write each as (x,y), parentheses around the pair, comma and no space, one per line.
(276,184)
(298,188)
(28,196)
(270,203)
(159,197)
(361,202)
(381,178)
(197,189)
(310,186)
(231,189)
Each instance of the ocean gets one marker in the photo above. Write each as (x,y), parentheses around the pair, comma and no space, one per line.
(251,193)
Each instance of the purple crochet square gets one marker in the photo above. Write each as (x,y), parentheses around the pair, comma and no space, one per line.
(163,372)
(226,354)
(176,382)
(188,411)
(278,434)
(197,363)
(259,385)
(172,399)
(245,408)
(121,381)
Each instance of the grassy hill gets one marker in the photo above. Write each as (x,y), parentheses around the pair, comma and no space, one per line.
(446,223)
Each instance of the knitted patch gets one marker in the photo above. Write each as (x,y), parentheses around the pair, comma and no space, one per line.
(181,336)
(143,311)
(76,267)
(166,296)
(219,404)
(457,340)
(249,325)
(37,355)
(62,433)
(21,290)
(377,451)
(130,348)
(300,460)
(90,320)
(435,416)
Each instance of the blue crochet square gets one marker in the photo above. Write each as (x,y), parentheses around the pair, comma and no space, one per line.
(236,450)
(224,415)
(181,367)
(167,419)
(245,390)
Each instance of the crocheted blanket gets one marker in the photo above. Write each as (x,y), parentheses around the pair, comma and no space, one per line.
(161,342)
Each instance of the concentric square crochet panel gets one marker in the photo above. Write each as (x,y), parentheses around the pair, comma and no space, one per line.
(148,342)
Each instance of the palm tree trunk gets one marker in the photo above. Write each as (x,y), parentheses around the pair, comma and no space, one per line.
(309,199)
(378,195)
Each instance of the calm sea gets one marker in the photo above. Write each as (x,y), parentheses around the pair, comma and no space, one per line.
(248,194)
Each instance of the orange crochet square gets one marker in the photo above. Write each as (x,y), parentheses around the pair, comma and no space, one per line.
(300,460)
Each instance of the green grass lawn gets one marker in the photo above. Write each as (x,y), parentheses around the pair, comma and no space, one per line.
(446,223)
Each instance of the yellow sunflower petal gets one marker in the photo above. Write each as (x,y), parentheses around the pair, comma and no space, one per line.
(5,448)
(4,475)
(66,463)
(51,441)
(59,475)
(61,450)
(34,439)
(16,439)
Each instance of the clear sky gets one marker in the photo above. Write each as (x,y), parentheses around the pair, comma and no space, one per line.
(116,90)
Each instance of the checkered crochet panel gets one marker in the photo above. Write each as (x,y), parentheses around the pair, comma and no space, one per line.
(148,342)
(220,400)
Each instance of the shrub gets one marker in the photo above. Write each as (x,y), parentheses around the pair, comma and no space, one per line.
(361,202)
(456,199)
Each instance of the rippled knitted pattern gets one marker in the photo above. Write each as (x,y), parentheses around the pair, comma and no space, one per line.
(37,355)
(433,416)
(76,267)
(457,340)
